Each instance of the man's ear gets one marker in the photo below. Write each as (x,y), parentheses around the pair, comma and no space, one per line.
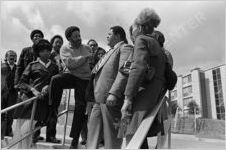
(140,28)
(69,39)
(118,37)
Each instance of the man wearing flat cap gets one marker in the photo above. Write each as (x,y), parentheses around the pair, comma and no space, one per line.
(27,55)
(75,57)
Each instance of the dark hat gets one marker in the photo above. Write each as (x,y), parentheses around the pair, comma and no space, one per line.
(36,31)
(40,45)
(54,37)
(93,41)
(69,30)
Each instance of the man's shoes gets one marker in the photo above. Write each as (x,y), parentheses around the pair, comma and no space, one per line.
(101,143)
(83,142)
(74,144)
(53,140)
(73,147)
(38,138)
(9,134)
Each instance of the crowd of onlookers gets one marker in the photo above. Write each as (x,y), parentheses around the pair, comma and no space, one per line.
(113,90)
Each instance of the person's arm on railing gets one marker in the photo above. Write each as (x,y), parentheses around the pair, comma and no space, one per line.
(24,82)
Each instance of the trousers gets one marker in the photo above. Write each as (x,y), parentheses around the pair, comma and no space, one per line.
(106,119)
(69,81)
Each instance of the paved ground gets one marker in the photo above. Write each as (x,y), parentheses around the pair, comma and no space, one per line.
(183,141)
(179,141)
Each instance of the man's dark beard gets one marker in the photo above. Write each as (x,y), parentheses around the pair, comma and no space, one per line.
(77,43)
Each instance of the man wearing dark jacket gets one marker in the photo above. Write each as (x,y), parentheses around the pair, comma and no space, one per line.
(8,92)
(27,55)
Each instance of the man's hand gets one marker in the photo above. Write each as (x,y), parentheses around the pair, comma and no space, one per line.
(35,92)
(126,109)
(45,89)
(111,100)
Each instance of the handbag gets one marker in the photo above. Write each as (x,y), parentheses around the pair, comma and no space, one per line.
(170,76)
(149,73)
(126,67)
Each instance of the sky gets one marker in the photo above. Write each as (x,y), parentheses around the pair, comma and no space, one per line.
(194,30)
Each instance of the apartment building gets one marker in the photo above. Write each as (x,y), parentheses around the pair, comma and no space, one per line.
(206,87)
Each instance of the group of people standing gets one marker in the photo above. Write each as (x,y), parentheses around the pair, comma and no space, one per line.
(107,88)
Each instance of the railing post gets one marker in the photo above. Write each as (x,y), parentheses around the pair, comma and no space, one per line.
(195,119)
(32,118)
(169,131)
(176,119)
(66,116)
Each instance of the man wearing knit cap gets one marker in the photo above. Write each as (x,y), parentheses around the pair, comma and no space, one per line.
(75,57)
(27,55)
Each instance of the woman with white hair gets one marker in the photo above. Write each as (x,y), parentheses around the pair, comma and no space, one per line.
(146,78)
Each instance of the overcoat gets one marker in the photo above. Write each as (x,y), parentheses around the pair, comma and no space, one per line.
(145,93)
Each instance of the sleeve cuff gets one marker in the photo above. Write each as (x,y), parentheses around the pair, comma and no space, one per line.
(128,99)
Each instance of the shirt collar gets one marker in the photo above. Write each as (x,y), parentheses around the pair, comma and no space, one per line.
(41,62)
(11,66)
(119,43)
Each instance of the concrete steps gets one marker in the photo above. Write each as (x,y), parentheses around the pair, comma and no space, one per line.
(7,140)
(183,125)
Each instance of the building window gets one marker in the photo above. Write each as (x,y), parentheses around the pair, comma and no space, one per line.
(186,79)
(186,101)
(173,95)
(218,93)
(187,91)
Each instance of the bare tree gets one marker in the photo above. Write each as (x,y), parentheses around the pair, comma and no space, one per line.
(174,108)
(193,107)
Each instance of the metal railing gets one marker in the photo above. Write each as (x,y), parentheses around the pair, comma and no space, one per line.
(14,142)
(140,134)
(135,142)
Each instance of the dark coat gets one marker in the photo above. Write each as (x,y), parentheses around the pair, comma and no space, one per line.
(146,51)
(27,56)
(8,93)
(36,76)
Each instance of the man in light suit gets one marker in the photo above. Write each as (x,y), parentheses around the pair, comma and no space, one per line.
(109,85)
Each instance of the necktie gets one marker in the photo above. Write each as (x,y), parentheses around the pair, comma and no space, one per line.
(95,69)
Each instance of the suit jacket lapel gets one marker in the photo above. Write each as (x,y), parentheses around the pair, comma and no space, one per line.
(107,56)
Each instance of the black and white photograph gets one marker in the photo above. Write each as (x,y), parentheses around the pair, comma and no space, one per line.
(112,74)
